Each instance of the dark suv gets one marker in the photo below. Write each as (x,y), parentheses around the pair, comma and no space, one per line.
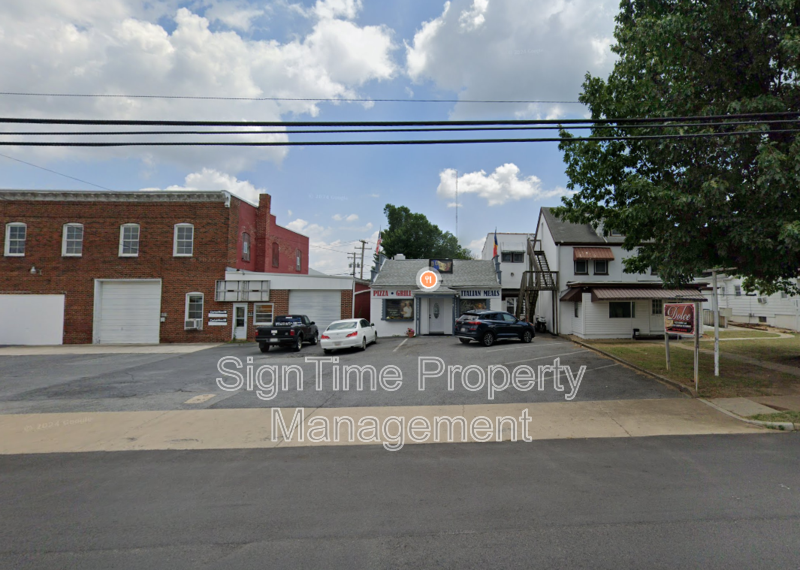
(488,326)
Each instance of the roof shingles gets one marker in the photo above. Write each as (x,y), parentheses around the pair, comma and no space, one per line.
(466,273)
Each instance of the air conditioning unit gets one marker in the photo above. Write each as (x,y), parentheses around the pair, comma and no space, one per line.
(762,300)
(193,325)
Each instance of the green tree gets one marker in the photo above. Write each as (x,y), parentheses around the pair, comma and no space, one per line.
(697,203)
(415,237)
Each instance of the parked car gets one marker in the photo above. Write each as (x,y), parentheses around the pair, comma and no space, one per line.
(287,330)
(487,327)
(348,333)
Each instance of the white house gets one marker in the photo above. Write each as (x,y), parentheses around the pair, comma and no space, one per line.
(512,249)
(397,304)
(593,297)
(777,310)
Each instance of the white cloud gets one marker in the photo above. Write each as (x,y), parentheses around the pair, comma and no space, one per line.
(514,49)
(122,47)
(236,15)
(337,8)
(497,188)
(473,18)
(210,179)
(476,246)
(349,218)
(307,228)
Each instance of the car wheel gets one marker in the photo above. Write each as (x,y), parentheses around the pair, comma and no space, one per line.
(299,346)
(488,339)
(464,340)
(263,347)
(376,339)
(364,343)
(527,336)
(315,339)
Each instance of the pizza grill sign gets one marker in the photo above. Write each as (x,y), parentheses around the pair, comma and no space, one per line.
(679,318)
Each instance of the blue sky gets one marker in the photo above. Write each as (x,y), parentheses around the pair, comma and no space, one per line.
(342,49)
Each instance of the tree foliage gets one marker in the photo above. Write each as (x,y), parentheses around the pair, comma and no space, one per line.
(415,237)
(699,203)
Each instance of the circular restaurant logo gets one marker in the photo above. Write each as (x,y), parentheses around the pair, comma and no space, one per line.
(428,279)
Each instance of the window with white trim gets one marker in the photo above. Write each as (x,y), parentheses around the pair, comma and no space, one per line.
(72,241)
(16,235)
(658,306)
(245,247)
(129,240)
(183,242)
(600,267)
(581,267)
(263,314)
(194,306)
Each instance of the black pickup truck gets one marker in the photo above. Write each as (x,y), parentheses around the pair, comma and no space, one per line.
(287,330)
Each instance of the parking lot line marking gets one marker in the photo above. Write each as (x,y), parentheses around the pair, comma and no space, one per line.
(515,347)
(546,357)
(399,345)
(601,367)
(199,399)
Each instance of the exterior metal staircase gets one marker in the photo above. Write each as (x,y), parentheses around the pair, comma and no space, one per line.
(538,277)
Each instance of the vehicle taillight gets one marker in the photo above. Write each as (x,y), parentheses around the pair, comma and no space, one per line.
(325,337)
(472,322)
(352,334)
(291,333)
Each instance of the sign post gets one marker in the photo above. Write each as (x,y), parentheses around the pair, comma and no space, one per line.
(681,318)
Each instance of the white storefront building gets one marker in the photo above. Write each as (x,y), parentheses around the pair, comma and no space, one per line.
(595,298)
(397,304)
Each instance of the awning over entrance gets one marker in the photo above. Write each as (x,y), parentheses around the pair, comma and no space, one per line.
(614,294)
(599,253)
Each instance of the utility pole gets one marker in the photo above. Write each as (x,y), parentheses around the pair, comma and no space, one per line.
(363,245)
(456,205)
(353,292)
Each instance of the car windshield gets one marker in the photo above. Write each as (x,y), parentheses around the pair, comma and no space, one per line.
(341,326)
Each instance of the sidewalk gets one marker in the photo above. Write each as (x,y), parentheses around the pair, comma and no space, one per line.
(252,428)
(103,349)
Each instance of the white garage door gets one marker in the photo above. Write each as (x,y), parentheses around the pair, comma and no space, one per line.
(31,319)
(322,307)
(128,312)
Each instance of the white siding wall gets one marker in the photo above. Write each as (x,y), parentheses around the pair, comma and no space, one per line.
(388,328)
(544,307)
(779,311)
(598,325)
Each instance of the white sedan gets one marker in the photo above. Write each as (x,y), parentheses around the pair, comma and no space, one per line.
(348,333)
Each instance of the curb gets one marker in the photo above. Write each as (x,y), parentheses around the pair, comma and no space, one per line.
(662,379)
(782,426)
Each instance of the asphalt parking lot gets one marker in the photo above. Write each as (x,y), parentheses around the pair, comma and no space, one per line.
(145,382)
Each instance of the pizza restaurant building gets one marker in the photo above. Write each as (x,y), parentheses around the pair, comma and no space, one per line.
(398,304)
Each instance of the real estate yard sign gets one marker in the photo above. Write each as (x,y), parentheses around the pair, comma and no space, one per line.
(679,318)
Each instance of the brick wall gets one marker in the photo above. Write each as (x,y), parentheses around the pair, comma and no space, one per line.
(75,276)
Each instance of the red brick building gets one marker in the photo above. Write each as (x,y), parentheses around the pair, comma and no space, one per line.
(146,267)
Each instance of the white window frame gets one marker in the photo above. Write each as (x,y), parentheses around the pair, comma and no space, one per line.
(64,241)
(657,307)
(122,239)
(175,241)
(255,313)
(245,246)
(202,305)
(576,262)
(7,245)
(598,272)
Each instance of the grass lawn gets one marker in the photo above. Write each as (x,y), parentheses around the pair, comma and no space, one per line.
(793,417)
(736,378)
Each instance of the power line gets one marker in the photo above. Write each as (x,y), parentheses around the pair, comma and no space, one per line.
(389,142)
(329,249)
(520,122)
(55,172)
(400,130)
(288,99)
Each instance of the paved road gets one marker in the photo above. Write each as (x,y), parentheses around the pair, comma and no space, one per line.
(668,502)
(143,382)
